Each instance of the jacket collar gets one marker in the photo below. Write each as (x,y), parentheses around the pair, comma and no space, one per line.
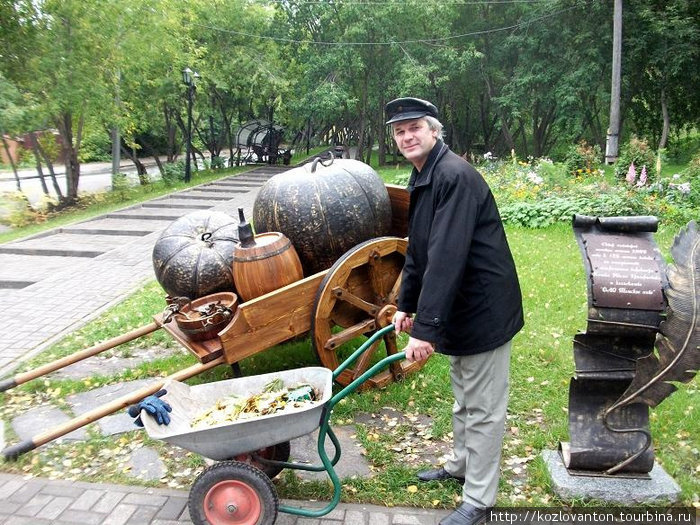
(425,176)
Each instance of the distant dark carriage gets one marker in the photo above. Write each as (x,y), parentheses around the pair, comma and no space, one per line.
(258,141)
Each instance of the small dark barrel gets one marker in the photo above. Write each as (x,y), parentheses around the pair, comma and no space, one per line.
(325,208)
(267,265)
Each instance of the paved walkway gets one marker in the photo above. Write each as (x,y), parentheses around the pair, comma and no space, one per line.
(60,280)
(41,502)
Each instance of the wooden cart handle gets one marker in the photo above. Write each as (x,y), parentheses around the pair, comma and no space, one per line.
(14,451)
(19,379)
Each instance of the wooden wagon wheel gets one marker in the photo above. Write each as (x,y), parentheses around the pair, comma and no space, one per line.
(358,295)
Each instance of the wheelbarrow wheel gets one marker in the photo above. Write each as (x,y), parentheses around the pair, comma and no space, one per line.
(233,493)
(356,298)
(278,452)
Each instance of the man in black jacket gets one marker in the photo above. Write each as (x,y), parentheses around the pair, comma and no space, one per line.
(460,297)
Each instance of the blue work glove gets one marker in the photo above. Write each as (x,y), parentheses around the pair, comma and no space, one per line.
(154,406)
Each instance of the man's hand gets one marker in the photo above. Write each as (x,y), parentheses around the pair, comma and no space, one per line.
(403,322)
(418,350)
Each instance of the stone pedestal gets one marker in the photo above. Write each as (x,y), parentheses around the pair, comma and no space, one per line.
(658,488)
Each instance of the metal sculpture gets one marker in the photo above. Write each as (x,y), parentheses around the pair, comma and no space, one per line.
(677,343)
(635,303)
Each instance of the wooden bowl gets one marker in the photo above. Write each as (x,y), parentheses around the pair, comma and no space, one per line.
(205,317)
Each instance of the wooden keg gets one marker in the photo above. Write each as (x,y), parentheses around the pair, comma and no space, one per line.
(268,264)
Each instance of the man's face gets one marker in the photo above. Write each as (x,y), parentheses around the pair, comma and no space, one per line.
(415,140)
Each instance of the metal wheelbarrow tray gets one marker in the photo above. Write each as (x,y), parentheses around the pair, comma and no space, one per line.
(226,440)
(234,490)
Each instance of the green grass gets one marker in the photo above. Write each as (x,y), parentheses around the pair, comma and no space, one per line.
(555,302)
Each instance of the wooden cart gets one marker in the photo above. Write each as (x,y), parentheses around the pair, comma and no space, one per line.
(355,297)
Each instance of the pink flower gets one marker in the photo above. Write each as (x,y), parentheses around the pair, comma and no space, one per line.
(643,176)
(631,174)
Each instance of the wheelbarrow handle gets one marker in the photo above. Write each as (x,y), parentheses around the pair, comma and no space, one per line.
(375,369)
(14,451)
(24,377)
(324,428)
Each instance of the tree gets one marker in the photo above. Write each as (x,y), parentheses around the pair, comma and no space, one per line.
(662,66)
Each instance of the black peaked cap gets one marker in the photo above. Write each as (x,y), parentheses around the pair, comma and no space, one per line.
(409,108)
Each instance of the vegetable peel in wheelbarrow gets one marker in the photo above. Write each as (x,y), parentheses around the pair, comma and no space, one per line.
(226,439)
(275,397)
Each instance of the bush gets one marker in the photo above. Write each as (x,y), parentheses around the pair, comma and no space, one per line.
(682,150)
(122,189)
(173,172)
(95,147)
(18,212)
(217,162)
(582,158)
(637,152)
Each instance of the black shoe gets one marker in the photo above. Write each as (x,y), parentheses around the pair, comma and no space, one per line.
(437,474)
(466,514)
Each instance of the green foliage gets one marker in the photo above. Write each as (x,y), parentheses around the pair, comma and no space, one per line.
(122,189)
(173,172)
(683,149)
(583,158)
(96,147)
(217,163)
(18,212)
(638,152)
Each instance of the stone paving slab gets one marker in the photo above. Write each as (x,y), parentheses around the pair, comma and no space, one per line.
(67,244)
(198,196)
(185,204)
(258,181)
(145,214)
(229,186)
(206,192)
(33,267)
(37,420)
(116,226)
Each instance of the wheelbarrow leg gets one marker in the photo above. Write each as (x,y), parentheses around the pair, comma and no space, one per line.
(19,379)
(104,410)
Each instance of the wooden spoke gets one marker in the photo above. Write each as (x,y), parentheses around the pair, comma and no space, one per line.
(357,297)
(362,363)
(375,275)
(349,333)
(351,298)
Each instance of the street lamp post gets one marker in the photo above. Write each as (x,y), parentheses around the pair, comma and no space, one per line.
(189,78)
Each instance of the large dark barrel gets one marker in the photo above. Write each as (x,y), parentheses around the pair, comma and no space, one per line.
(193,256)
(325,208)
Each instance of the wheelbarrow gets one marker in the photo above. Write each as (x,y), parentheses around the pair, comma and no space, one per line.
(240,491)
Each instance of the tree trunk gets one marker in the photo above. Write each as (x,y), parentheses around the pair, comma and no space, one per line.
(381,134)
(171,131)
(12,162)
(667,120)
(505,128)
(140,168)
(370,146)
(37,157)
(49,165)
(64,123)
